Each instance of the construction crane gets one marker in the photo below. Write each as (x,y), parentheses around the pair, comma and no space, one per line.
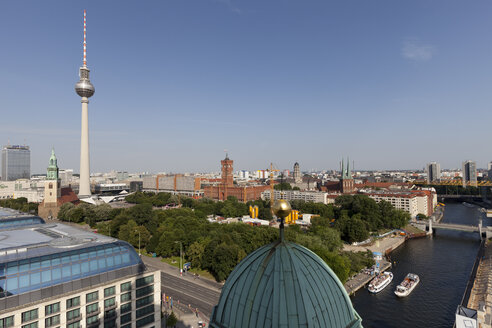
(272,197)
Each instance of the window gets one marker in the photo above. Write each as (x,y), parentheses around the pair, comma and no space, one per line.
(144,301)
(7,322)
(127,326)
(126,286)
(145,310)
(91,308)
(126,297)
(31,325)
(109,302)
(145,321)
(109,314)
(144,281)
(74,314)
(52,308)
(92,320)
(73,302)
(52,321)
(144,291)
(29,315)
(110,324)
(125,307)
(125,318)
(92,297)
(109,291)
(74,325)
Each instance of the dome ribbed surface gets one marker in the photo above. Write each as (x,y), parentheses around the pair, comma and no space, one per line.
(283,285)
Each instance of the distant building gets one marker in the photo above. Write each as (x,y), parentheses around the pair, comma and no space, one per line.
(66,176)
(122,175)
(226,187)
(174,184)
(111,188)
(33,191)
(16,163)
(433,170)
(469,173)
(307,196)
(413,202)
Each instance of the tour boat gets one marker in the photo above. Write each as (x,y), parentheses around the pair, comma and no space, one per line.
(407,285)
(380,282)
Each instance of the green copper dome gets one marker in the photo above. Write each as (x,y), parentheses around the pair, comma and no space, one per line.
(283,285)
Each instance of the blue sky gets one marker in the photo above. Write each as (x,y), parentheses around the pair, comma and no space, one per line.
(392,84)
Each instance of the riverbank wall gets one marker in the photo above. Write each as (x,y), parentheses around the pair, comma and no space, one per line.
(478,292)
(473,275)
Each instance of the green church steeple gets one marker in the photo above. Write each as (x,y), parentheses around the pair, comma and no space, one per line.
(52,172)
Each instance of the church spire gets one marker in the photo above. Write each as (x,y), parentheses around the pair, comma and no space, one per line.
(349,173)
(52,172)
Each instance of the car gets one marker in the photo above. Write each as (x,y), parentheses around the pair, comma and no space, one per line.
(201,324)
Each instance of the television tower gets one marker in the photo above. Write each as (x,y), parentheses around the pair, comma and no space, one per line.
(84,89)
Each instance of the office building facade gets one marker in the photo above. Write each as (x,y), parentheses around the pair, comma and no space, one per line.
(469,173)
(433,170)
(16,163)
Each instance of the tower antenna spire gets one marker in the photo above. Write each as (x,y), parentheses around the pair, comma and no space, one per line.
(85,40)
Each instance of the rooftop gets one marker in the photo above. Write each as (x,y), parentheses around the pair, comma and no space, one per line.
(36,255)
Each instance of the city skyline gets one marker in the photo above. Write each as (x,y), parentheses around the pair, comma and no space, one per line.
(179,82)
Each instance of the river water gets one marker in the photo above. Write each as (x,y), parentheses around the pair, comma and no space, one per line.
(443,262)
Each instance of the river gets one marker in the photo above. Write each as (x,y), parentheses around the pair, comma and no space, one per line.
(443,262)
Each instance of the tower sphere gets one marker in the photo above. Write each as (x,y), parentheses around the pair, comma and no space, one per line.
(281,208)
(84,88)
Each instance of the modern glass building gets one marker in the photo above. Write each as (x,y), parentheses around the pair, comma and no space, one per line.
(16,163)
(54,275)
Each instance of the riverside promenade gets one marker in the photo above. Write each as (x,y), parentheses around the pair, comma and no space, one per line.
(362,278)
(480,297)
(385,246)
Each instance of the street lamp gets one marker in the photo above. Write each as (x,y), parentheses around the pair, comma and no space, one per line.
(180,257)
(139,252)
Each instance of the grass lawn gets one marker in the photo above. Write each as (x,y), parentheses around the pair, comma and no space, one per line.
(411,229)
(174,261)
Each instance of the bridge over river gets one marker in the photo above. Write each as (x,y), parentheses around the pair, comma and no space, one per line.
(430,226)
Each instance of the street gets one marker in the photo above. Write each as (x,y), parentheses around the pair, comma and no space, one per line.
(190,291)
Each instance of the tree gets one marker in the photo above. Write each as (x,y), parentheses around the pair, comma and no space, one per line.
(282,186)
(172,320)
(225,258)
(195,253)
(64,211)
(102,212)
(134,234)
(76,214)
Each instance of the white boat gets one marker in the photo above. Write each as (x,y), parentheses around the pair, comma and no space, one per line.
(407,285)
(380,282)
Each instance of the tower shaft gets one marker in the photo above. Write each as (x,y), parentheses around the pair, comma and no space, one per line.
(84,89)
(84,184)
